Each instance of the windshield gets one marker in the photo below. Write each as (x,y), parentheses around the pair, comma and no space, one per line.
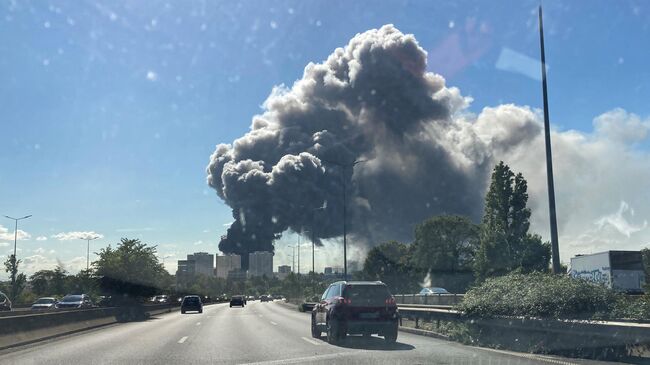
(469,170)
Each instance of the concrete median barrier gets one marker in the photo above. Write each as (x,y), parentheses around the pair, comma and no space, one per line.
(27,328)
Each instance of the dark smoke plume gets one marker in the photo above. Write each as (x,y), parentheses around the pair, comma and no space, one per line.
(372,100)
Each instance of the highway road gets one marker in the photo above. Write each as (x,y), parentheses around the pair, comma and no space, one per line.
(260,333)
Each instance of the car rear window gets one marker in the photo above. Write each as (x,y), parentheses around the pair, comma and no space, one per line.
(369,294)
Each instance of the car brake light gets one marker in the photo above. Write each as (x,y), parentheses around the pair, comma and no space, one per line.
(390,301)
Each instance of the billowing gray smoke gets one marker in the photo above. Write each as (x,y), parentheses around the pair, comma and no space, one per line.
(372,100)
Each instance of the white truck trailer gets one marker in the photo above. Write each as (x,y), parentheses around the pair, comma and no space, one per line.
(619,270)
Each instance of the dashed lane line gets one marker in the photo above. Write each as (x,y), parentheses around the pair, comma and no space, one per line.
(273,323)
(182,339)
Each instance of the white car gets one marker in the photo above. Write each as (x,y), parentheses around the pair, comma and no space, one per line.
(45,303)
(433,290)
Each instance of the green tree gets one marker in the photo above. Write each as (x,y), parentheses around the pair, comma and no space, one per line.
(40,282)
(131,268)
(390,263)
(445,244)
(19,280)
(505,243)
(59,284)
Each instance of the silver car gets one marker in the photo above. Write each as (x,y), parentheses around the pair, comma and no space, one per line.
(45,303)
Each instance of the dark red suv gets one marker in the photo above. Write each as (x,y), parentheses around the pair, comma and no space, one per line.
(355,307)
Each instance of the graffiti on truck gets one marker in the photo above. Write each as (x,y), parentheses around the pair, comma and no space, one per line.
(600,276)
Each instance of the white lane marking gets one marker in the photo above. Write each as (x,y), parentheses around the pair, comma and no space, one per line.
(311,341)
(260,315)
(302,360)
(541,358)
(182,339)
(273,323)
(198,323)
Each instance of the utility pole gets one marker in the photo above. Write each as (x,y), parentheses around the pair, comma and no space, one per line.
(344,167)
(555,250)
(88,251)
(293,257)
(15,261)
(299,243)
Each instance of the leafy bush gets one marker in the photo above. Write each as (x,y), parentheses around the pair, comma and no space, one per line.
(540,295)
(634,308)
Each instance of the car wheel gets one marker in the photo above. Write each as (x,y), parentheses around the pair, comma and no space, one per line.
(230,305)
(315,332)
(182,311)
(200,310)
(332,332)
(390,337)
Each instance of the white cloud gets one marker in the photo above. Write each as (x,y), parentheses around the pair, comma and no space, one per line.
(33,263)
(199,242)
(621,126)
(4,244)
(5,234)
(619,221)
(66,236)
(41,238)
(39,250)
(596,173)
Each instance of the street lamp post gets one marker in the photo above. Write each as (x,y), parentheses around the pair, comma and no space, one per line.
(88,251)
(293,257)
(344,166)
(555,249)
(299,243)
(13,273)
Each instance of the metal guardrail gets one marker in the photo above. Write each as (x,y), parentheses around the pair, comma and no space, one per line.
(519,332)
(429,299)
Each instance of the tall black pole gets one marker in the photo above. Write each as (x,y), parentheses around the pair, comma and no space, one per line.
(313,248)
(549,158)
(345,242)
(88,255)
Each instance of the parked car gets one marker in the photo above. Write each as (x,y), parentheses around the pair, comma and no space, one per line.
(191,303)
(265,298)
(5,303)
(237,300)
(75,301)
(433,290)
(250,297)
(355,307)
(45,303)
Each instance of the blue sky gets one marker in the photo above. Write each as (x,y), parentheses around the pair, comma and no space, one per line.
(110,111)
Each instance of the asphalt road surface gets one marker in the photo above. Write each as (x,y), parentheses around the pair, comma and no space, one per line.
(260,333)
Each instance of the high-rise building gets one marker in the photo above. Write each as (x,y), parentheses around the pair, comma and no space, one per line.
(185,268)
(185,271)
(260,263)
(204,263)
(283,272)
(226,264)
